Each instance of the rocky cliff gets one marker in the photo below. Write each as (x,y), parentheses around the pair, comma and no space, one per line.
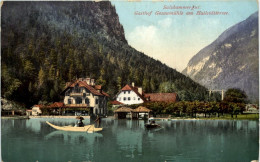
(231,61)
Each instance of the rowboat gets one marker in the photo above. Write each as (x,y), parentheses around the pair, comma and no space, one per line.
(150,126)
(87,128)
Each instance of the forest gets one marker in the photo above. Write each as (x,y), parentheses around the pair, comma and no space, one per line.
(46,44)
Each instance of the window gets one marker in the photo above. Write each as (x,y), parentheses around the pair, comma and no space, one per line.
(133,98)
(77,89)
(78,100)
(129,98)
(69,101)
(86,101)
(96,101)
(128,92)
(138,99)
(124,98)
(124,92)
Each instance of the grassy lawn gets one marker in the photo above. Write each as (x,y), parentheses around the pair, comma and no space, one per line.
(243,116)
(226,117)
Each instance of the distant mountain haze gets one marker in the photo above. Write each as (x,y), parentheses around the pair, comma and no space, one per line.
(231,61)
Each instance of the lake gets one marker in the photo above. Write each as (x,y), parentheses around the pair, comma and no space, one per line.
(128,140)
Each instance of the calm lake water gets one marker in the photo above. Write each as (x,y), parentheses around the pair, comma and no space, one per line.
(127,140)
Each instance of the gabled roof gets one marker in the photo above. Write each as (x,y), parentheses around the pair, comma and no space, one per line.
(38,106)
(84,84)
(135,89)
(124,109)
(116,102)
(161,97)
(142,109)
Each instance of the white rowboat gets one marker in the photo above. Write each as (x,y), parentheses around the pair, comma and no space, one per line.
(87,128)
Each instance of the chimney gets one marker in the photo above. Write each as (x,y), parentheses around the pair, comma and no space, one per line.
(133,84)
(140,90)
(92,82)
(87,80)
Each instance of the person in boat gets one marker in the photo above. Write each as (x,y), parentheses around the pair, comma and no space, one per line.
(98,121)
(80,123)
(151,121)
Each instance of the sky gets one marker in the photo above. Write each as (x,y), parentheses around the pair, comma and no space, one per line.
(175,39)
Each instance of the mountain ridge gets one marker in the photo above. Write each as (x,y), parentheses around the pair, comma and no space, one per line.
(231,61)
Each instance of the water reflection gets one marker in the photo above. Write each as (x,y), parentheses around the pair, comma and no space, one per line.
(74,137)
(128,140)
(33,125)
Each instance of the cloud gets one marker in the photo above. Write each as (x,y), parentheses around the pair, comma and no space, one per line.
(165,23)
(147,33)
(143,37)
(162,43)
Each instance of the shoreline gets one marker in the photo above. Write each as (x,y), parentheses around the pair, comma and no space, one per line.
(112,117)
(45,116)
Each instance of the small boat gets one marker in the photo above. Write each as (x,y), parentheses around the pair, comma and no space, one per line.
(151,124)
(87,128)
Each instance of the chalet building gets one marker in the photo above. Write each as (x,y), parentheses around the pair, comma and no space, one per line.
(130,94)
(84,95)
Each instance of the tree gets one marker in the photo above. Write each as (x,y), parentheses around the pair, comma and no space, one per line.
(101,81)
(235,95)
(119,83)
(41,77)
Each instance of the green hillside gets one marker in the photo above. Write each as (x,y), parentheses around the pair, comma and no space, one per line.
(46,44)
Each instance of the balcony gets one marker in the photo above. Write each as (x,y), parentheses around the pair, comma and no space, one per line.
(76,105)
(76,94)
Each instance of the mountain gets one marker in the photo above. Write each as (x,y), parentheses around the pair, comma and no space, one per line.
(231,61)
(46,44)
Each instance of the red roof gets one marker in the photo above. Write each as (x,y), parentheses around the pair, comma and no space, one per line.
(84,84)
(127,88)
(98,87)
(135,89)
(104,93)
(57,104)
(161,97)
(116,102)
(38,106)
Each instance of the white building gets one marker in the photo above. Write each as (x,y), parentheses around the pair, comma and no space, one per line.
(84,95)
(130,94)
(36,110)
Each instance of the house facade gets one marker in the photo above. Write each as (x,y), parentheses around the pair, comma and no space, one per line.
(36,110)
(130,94)
(84,95)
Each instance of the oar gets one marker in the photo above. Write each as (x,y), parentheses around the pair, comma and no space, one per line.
(90,127)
